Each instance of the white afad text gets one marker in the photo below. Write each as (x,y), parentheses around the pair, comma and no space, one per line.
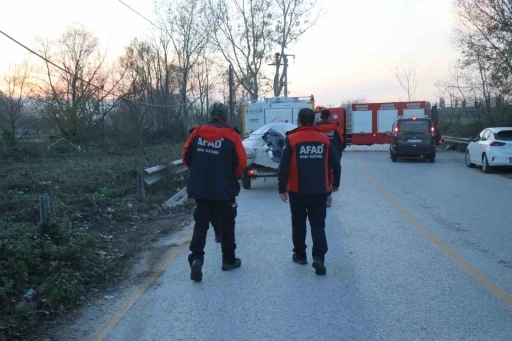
(205,145)
(311,152)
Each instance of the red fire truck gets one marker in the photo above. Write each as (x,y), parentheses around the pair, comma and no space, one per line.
(370,123)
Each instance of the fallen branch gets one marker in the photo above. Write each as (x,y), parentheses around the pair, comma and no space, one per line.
(77,147)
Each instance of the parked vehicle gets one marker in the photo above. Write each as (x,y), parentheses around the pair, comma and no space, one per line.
(413,137)
(491,148)
(369,123)
(258,113)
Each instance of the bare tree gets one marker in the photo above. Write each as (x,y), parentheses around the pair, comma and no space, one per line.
(189,39)
(295,18)
(18,90)
(242,31)
(207,78)
(406,75)
(484,32)
(348,102)
(75,94)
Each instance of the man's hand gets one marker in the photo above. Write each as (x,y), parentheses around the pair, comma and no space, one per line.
(284,196)
(334,189)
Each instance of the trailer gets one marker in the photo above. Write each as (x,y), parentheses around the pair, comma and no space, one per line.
(257,113)
(370,123)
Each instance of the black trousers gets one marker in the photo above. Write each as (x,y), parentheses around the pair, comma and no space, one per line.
(216,223)
(206,211)
(311,207)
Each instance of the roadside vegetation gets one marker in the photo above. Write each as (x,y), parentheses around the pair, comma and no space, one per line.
(476,92)
(98,223)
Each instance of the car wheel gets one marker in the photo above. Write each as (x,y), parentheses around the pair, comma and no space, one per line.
(485,165)
(467,160)
(246,179)
(394,158)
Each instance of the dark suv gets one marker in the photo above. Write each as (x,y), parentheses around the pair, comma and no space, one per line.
(412,137)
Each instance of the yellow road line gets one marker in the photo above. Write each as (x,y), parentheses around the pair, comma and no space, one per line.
(138,291)
(477,275)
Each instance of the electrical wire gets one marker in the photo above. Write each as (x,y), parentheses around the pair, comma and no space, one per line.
(143,17)
(88,82)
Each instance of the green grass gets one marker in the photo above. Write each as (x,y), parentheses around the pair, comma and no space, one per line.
(95,208)
(81,183)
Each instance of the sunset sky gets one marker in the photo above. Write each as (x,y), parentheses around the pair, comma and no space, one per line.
(351,53)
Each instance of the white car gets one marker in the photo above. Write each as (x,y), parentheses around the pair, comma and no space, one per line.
(263,148)
(492,147)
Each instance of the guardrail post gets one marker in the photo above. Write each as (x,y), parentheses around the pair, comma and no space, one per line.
(141,188)
(45,209)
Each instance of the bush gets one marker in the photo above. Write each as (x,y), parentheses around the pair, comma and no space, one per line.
(43,270)
(469,129)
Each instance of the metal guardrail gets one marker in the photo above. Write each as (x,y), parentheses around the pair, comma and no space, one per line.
(155,174)
(452,139)
(152,175)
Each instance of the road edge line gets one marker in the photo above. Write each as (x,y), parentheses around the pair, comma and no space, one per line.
(156,271)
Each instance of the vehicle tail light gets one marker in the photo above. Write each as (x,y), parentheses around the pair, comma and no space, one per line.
(497,144)
(395,132)
(251,172)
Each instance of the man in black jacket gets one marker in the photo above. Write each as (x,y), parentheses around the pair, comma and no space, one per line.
(333,132)
(216,158)
(303,173)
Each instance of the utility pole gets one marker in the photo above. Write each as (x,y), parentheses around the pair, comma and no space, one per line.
(276,79)
(231,91)
(285,73)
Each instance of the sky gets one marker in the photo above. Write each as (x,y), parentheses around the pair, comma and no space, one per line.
(352,52)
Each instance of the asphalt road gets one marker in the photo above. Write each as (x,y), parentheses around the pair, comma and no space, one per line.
(417,251)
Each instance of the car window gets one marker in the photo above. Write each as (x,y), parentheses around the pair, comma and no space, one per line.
(504,135)
(479,136)
(486,134)
(414,126)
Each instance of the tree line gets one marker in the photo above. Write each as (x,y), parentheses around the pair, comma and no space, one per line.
(163,83)
(479,87)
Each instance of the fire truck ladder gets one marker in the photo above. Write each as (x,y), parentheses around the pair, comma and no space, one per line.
(349,125)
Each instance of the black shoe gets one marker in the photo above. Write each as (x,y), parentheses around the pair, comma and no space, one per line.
(319,266)
(196,268)
(231,266)
(300,260)
(218,239)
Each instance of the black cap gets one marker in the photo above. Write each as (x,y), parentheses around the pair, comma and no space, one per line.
(219,111)
(325,114)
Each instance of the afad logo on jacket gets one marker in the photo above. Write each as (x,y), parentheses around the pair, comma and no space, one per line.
(311,152)
(329,133)
(211,147)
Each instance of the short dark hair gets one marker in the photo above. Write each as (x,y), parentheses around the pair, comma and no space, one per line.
(325,114)
(306,116)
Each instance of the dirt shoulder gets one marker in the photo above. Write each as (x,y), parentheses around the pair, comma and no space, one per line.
(93,316)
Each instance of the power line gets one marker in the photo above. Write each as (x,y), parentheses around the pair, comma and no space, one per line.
(88,82)
(143,17)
